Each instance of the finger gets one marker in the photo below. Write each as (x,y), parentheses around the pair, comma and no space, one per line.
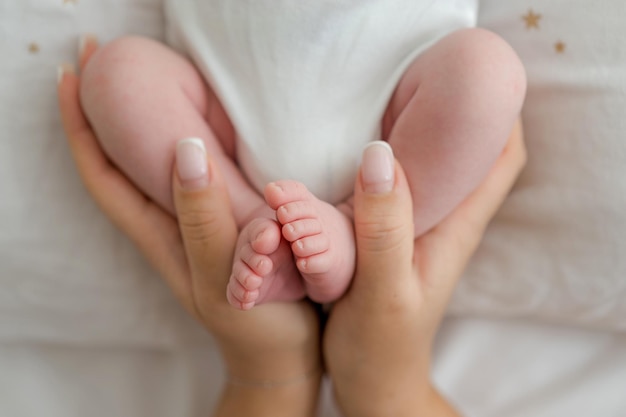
(383,223)
(205,218)
(88,45)
(153,231)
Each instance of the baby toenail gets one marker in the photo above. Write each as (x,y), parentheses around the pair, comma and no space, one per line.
(302,264)
(260,265)
(277,186)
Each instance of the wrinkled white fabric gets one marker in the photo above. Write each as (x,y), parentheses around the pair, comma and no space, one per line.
(86,328)
(306,82)
(66,273)
(556,249)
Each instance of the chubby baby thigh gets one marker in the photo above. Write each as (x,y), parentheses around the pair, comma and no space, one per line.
(450,116)
(141,98)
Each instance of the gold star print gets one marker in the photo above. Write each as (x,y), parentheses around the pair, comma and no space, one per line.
(559,47)
(532,19)
(33,48)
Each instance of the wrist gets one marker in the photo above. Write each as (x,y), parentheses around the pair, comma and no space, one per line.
(296,397)
(425,401)
(272,368)
(271,382)
(255,350)
(400,389)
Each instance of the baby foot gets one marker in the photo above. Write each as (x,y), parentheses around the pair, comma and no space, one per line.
(321,237)
(263,267)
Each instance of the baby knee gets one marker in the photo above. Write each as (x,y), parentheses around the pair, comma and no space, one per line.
(112,67)
(109,58)
(493,66)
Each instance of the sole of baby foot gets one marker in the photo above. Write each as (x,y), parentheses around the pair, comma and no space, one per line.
(321,238)
(263,267)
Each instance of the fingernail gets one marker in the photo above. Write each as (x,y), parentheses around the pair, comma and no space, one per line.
(377,168)
(83,40)
(191,163)
(62,70)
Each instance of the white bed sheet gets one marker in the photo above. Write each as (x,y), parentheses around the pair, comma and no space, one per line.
(519,368)
(487,367)
(87,329)
(555,251)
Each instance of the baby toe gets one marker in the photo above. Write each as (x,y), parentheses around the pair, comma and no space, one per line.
(237,295)
(246,277)
(282,192)
(315,264)
(296,210)
(258,263)
(301,228)
(310,245)
(263,235)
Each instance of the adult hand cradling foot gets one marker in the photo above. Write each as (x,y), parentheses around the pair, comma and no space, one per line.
(271,353)
(377,343)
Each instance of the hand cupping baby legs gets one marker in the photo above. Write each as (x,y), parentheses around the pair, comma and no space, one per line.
(141,98)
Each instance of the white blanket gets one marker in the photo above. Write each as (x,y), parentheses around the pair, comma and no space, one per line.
(87,329)
(556,249)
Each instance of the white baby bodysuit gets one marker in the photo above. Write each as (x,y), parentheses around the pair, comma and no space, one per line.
(306,82)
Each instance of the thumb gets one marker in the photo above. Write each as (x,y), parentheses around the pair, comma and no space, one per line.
(205,218)
(383,217)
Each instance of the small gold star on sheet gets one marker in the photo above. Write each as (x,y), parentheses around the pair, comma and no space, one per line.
(33,48)
(532,19)
(559,47)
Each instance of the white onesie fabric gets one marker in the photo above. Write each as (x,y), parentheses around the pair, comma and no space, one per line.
(306,82)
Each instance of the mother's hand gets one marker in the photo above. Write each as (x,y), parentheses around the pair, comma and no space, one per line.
(267,348)
(377,343)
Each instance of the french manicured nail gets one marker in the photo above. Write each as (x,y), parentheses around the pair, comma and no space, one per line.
(62,70)
(83,40)
(191,163)
(377,168)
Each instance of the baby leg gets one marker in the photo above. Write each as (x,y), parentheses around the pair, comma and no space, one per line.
(141,98)
(321,238)
(450,117)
